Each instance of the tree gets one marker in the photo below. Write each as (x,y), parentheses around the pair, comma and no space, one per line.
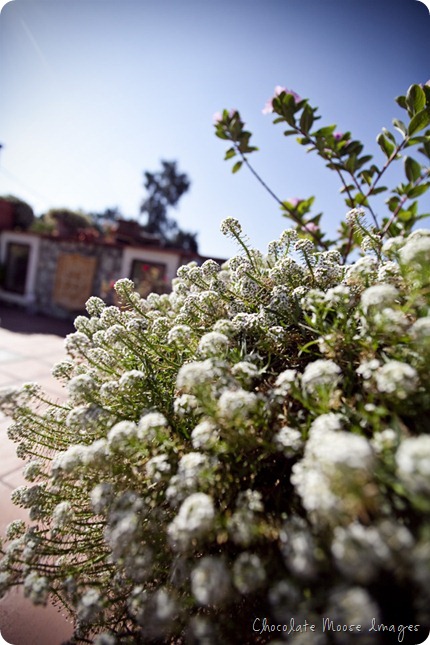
(164,189)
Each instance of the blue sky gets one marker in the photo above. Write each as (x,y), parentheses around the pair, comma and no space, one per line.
(94,92)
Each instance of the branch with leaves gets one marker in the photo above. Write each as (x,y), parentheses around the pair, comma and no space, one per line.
(359,176)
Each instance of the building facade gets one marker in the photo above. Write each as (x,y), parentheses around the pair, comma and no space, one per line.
(55,276)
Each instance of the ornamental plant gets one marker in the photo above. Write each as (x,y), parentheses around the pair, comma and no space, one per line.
(252,448)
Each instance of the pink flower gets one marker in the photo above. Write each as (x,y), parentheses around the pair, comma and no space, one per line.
(338,135)
(311,227)
(218,116)
(294,201)
(268,108)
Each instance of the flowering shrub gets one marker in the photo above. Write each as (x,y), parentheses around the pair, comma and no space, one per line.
(253,444)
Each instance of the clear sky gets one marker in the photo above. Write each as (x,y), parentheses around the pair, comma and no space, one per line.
(94,92)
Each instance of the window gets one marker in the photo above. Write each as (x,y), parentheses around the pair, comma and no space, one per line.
(17,258)
(149,277)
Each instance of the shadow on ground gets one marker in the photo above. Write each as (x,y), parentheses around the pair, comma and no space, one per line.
(19,320)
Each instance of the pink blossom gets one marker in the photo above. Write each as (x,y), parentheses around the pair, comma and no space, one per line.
(338,135)
(311,227)
(218,116)
(268,108)
(294,201)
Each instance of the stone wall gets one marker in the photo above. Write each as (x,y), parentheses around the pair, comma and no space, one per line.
(107,269)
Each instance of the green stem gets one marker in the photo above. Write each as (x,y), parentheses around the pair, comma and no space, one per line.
(295,219)
(402,201)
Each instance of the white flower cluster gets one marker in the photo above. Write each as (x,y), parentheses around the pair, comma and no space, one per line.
(226,445)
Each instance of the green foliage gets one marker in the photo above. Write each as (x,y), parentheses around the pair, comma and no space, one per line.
(359,176)
(71,220)
(165,189)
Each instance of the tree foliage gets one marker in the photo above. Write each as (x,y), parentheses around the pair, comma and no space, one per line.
(164,190)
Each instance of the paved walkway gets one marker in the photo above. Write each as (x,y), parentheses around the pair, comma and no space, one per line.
(29,347)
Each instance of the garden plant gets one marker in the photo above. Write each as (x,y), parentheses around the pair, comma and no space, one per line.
(247,458)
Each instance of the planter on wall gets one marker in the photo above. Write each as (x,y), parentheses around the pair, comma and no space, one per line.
(6,215)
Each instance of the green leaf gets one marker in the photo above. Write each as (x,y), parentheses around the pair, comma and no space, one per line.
(412,169)
(389,135)
(363,160)
(345,189)
(400,126)
(425,149)
(416,191)
(231,152)
(401,100)
(379,189)
(393,202)
(237,166)
(366,177)
(325,132)
(304,141)
(404,215)
(419,121)
(386,146)
(415,99)
(360,200)
(306,119)
(351,163)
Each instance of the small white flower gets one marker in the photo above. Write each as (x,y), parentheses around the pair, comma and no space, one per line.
(392,245)
(36,588)
(205,435)
(185,404)
(288,440)
(68,460)
(330,421)
(420,330)
(191,468)
(285,381)
(335,468)
(213,344)
(384,440)
(231,227)
(197,374)
(354,215)
(413,464)
(366,369)
(63,514)
(320,373)
(210,581)
(379,296)
(416,252)
(237,404)
(89,606)
(81,386)
(32,470)
(101,496)
(245,372)
(179,335)
(195,519)
(158,467)
(132,379)
(397,379)
(120,435)
(248,573)
(151,425)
